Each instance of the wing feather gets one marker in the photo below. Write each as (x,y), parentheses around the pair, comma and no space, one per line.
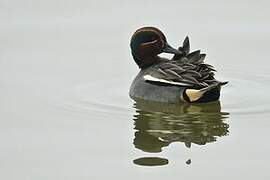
(187,69)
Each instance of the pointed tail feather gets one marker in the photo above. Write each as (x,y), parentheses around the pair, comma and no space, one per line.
(196,95)
(224,83)
(209,88)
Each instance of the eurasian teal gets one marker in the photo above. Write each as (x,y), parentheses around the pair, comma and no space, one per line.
(184,78)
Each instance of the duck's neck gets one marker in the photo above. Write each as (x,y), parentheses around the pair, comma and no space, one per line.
(149,61)
(146,61)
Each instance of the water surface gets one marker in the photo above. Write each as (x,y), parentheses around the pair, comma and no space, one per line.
(65,72)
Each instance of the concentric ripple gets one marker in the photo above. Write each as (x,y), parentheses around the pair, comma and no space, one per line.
(157,125)
(246,93)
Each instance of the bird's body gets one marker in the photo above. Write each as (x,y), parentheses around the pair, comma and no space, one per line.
(184,78)
(141,89)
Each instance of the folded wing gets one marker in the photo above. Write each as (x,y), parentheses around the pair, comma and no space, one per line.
(186,69)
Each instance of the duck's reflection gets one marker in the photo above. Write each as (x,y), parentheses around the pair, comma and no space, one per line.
(158,124)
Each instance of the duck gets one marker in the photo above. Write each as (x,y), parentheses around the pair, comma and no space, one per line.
(185,78)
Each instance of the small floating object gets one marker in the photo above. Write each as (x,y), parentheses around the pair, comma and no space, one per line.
(188,162)
(184,78)
(151,161)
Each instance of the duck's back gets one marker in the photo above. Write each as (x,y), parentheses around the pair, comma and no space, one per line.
(140,89)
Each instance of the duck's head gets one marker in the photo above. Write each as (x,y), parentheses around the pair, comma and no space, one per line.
(146,43)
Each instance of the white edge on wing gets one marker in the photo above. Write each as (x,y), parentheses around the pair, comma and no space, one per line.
(151,78)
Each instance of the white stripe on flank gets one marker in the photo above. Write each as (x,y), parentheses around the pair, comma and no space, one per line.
(151,78)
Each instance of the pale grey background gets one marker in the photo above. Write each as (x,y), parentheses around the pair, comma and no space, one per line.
(65,70)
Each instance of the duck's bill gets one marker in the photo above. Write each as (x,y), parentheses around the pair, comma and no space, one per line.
(169,49)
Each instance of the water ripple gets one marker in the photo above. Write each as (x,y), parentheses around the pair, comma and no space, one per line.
(247,92)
